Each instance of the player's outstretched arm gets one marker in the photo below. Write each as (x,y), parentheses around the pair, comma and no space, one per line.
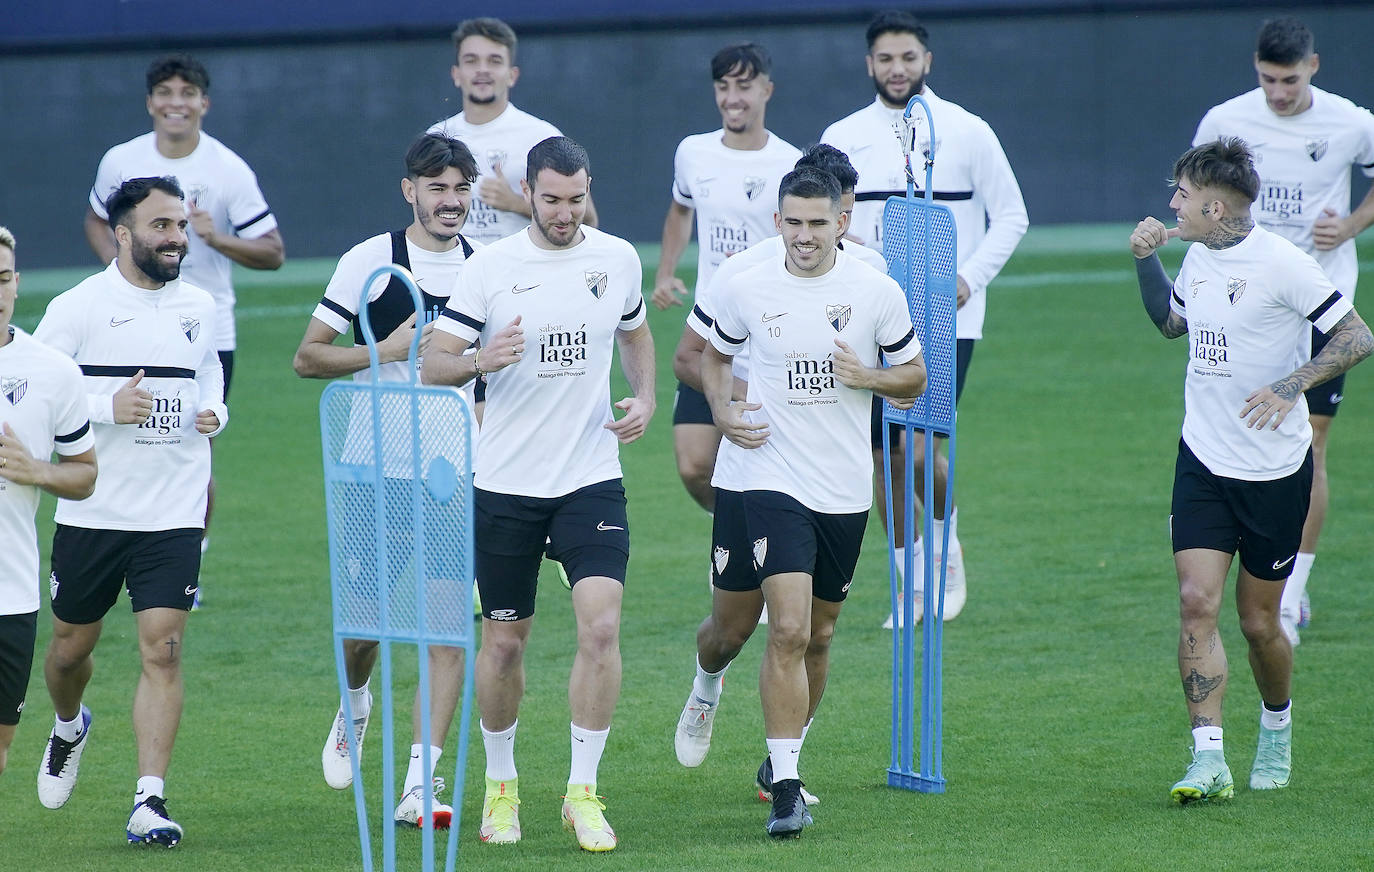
(677,232)
(902,383)
(718,384)
(1155,285)
(71,478)
(1349,343)
(267,251)
(318,356)
(637,361)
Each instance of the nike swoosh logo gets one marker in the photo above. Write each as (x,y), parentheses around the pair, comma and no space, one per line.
(191,591)
(516,289)
(114,323)
(705,180)
(603,526)
(767,317)
(579,739)
(1280,564)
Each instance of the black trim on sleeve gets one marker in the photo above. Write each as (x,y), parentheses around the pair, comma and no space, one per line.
(868,196)
(726,336)
(336,308)
(701,314)
(639,307)
(130,371)
(1327,304)
(466,320)
(1178,299)
(900,343)
(251,221)
(75,434)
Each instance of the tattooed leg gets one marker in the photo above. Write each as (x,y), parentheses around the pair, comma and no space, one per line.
(1201,656)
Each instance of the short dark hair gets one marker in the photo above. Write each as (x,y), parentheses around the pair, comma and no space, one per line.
(135,191)
(894,21)
(557,153)
(809,182)
(743,59)
(1224,163)
(433,153)
(179,64)
(827,157)
(1284,41)
(493,29)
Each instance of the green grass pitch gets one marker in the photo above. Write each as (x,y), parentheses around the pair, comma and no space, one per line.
(1064,724)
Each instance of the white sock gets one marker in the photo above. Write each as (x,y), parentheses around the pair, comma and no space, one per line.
(1296,586)
(500,748)
(784,754)
(806,729)
(587,746)
(900,552)
(361,700)
(415,771)
(954,525)
(708,685)
(938,532)
(148,785)
(204,544)
(1272,720)
(1206,739)
(68,731)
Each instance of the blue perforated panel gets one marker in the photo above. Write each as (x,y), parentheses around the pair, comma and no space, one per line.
(919,246)
(399,500)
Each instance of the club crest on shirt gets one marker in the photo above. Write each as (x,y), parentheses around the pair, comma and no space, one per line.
(14,389)
(753,186)
(760,551)
(1316,148)
(197,195)
(496,157)
(721,557)
(1234,289)
(596,282)
(838,316)
(191,327)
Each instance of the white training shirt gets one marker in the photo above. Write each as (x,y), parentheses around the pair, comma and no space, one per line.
(390,306)
(734,192)
(504,141)
(216,180)
(971,176)
(153,475)
(544,429)
(43,399)
(818,450)
(700,320)
(1304,163)
(1250,309)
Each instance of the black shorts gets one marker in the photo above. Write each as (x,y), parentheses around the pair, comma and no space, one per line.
(1262,520)
(226,360)
(1325,398)
(785,536)
(587,531)
(963,355)
(479,390)
(89,567)
(731,567)
(17,635)
(690,407)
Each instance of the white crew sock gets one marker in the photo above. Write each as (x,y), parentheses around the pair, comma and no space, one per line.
(1272,720)
(708,685)
(587,746)
(784,754)
(1296,586)
(899,551)
(806,729)
(500,748)
(1206,739)
(361,700)
(68,731)
(148,785)
(415,771)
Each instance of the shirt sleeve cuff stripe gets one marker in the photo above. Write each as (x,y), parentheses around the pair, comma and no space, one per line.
(1327,304)
(76,434)
(239,228)
(900,343)
(633,314)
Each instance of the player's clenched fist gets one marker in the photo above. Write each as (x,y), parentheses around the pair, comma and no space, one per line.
(1149,235)
(132,404)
